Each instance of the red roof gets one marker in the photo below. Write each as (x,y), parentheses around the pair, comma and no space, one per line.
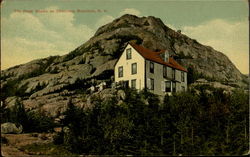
(155,57)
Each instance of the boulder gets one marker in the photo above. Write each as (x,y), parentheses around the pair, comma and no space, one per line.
(11,128)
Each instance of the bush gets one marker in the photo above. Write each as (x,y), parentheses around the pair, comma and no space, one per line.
(17,115)
(58,138)
(39,122)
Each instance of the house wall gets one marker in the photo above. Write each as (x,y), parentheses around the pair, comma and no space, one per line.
(143,73)
(157,76)
(127,76)
(159,79)
(181,84)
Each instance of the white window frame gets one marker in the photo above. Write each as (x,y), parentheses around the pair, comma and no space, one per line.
(150,85)
(128,53)
(182,76)
(120,72)
(133,82)
(134,72)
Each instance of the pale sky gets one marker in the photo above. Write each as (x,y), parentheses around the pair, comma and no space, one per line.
(27,34)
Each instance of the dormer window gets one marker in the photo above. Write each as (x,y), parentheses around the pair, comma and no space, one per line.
(128,53)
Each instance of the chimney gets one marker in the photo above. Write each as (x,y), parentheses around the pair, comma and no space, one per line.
(166,56)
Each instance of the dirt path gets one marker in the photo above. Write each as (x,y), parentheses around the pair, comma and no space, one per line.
(15,141)
(12,151)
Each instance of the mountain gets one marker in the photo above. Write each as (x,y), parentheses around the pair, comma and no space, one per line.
(47,83)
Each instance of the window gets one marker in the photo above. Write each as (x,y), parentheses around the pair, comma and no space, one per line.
(128,53)
(164,71)
(125,84)
(152,84)
(168,86)
(173,74)
(174,86)
(151,67)
(120,71)
(134,68)
(133,83)
(182,77)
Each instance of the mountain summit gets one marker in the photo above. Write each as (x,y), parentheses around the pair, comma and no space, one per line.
(151,33)
(45,82)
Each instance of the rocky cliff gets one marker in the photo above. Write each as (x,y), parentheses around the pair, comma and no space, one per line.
(47,83)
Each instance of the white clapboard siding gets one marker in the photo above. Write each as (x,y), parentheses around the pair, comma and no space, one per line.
(163,86)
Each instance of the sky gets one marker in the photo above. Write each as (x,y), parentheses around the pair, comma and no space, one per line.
(32,29)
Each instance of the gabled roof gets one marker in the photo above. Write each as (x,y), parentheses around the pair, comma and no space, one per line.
(155,57)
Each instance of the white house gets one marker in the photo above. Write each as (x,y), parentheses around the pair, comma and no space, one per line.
(141,68)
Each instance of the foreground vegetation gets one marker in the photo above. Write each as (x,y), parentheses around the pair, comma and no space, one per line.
(31,121)
(208,123)
(45,149)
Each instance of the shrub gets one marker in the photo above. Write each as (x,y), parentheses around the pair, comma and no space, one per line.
(58,138)
(39,122)
(18,115)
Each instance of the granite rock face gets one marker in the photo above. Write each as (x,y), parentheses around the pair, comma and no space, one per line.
(47,83)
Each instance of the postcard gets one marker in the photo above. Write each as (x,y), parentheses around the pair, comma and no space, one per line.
(124,77)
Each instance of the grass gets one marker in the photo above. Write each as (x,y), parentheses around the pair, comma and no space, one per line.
(46,149)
